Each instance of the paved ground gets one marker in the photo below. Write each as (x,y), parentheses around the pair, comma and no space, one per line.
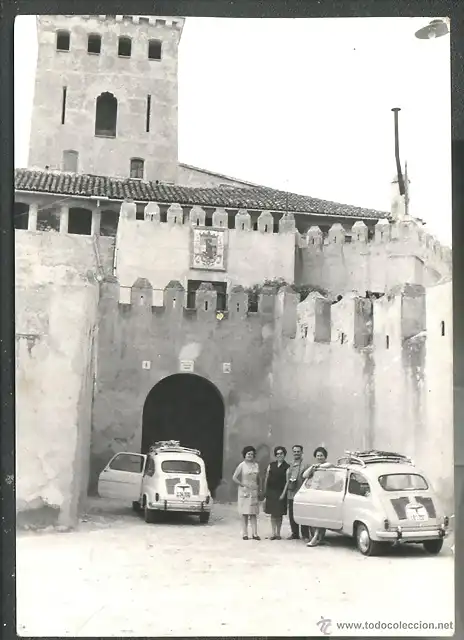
(117,576)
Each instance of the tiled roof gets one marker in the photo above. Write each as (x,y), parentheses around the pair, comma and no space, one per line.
(252,198)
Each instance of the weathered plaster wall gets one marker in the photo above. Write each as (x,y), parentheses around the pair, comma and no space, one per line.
(161,253)
(414,384)
(86,76)
(131,334)
(319,381)
(332,384)
(398,253)
(56,315)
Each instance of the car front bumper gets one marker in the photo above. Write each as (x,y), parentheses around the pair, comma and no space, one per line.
(414,535)
(184,506)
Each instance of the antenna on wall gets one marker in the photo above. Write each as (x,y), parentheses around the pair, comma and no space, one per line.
(401,186)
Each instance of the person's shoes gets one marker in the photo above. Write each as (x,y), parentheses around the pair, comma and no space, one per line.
(278,538)
(256,538)
(293,537)
(312,543)
(273,538)
(306,540)
(245,537)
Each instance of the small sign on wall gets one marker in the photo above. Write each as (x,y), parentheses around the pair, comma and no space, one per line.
(226,367)
(187,366)
(146,364)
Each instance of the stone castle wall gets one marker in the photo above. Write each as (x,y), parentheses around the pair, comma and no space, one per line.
(57,296)
(160,251)
(352,374)
(136,332)
(398,252)
(363,374)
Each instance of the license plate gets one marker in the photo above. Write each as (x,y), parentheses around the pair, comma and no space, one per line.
(182,494)
(417,517)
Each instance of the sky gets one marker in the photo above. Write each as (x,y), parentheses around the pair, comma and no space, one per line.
(304,105)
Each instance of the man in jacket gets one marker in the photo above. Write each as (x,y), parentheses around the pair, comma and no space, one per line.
(294,482)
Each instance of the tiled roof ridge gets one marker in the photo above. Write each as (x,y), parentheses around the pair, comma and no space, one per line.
(234,197)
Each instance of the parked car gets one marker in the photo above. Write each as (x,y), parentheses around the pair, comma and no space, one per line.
(169,478)
(379,498)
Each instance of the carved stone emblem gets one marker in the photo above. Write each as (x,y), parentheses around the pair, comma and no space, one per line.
(208,251)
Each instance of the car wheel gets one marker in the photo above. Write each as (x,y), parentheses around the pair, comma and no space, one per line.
(204,517)
(433,547)
(365,544)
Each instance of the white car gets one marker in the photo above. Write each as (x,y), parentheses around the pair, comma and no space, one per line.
(169,478)
(378,497)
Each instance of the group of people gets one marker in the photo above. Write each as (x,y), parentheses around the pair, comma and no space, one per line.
(277,488)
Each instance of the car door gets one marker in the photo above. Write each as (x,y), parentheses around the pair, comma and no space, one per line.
(121,479)
(359,504)
(319,502)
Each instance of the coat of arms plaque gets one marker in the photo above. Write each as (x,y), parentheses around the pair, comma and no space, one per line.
(208,249)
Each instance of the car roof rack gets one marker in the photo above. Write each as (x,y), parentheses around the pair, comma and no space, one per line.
(172,445)
(364,458)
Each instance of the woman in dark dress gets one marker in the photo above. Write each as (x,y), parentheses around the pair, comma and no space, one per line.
(274,485)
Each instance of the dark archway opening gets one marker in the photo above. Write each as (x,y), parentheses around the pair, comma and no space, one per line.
(190,409)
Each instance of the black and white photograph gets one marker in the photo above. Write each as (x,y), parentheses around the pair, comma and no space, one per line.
(233,323)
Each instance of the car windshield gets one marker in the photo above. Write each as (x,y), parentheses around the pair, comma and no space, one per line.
(181,466)
(403,482)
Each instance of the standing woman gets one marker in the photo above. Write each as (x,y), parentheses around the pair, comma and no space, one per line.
(274,485)
(247,477)
(320,456)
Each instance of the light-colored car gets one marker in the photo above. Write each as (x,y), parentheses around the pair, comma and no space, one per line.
(169,478)
(379,498)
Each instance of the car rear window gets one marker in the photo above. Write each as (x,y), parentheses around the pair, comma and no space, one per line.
(403,482)
(180,466)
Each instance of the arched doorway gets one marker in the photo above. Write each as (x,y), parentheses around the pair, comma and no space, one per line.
(188,408)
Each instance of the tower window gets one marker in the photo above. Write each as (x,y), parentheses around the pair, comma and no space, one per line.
(94,43)
(63,105)
(106,115)
(148,113)
(136,168)
(125,47)
(442,328)
(70,161)
(154,50)
(63,40)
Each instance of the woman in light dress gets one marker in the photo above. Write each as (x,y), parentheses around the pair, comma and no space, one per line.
(247,477)
(320,455)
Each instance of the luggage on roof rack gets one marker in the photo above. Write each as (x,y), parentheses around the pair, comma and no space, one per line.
(172,445)
(373,456)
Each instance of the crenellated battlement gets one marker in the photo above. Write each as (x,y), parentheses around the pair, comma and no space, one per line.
(383,322)
(195,216)
(154,21)
(173,300)
(394,253)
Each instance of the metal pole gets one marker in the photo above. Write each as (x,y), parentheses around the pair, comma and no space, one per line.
(397,153)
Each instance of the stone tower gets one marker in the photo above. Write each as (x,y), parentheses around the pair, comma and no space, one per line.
(106,96)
